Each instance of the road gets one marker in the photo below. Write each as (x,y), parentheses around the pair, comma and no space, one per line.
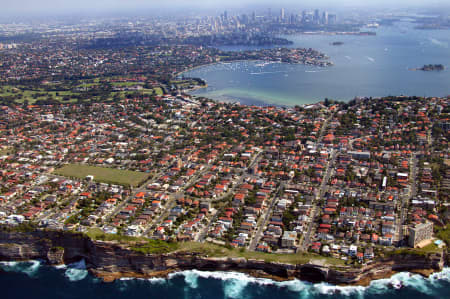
(205,230)
(319,194)
(133,192)
(172,199)
(405,199)
(260,227)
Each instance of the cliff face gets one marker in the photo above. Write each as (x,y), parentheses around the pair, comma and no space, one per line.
(110,260)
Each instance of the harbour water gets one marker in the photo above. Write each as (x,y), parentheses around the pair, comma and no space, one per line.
(369,66)
(34,280)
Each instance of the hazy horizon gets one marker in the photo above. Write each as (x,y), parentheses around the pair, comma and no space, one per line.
(57,7)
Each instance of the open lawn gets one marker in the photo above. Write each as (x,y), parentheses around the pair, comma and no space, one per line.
(149,246)
(24,94)
(103,174)
(4,151)
(443,233)
(20,94)
(213,250)
(430,248)
(139,244)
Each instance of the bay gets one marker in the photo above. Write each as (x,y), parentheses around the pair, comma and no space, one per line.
(371,66)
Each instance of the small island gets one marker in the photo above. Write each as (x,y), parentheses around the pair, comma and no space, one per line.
(337,43)
(430,67)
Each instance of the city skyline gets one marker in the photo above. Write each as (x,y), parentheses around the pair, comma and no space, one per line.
(49,7)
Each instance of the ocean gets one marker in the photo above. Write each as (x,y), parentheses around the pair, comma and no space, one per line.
(35,280)
(371,66)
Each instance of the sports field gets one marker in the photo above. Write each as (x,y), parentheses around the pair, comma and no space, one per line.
(103,174)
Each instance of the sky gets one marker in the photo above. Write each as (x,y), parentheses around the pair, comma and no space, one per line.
(49,7)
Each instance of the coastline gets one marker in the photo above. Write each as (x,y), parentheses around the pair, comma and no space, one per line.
(110,260)
(166,274)
(393,280)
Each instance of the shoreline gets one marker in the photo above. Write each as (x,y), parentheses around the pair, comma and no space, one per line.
(111,260)
(177,75)
(107,277)
(251,276)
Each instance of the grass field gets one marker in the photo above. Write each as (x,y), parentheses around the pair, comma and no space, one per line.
(443,233)
(219,251)
(23,94)
(103,174)
(148,246)
(4,151)
(138,244)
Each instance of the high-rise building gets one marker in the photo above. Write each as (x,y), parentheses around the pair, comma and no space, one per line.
(292,19)
(225,15)
(316,18)
(332,19)
(419,233)
(282,14)
(325,18)
(244,19)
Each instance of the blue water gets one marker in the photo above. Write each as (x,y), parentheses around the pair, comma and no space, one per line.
(364,66)
(33,280)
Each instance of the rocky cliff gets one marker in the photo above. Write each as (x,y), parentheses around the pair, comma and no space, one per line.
(110,260)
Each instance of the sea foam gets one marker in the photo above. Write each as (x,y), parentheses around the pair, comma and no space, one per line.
(29,267)
(76,271)
(234,284)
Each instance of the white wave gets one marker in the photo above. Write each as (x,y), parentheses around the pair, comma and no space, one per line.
(156,280)
(348,57)
(234,288)
(29,267)
(444,275)
(295,285)
(438,42)
(76,271)
(329,289)
(5,265)
(191,278)
(235,283)
(63,266)
(370,59)
(127,278)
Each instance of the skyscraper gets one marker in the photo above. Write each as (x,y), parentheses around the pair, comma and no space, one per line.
(316,18)
(331,19)
(325,18)
(282,14)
